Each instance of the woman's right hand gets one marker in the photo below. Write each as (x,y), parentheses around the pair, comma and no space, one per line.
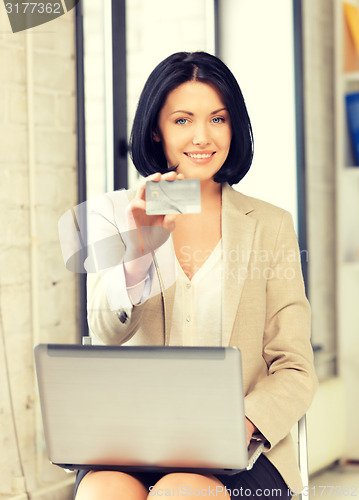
(147,238)
(138,204)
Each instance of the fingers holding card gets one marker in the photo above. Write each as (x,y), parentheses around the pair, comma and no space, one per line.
(173,197)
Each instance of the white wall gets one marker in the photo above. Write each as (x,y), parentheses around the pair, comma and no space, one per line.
(38,183)
(256,43)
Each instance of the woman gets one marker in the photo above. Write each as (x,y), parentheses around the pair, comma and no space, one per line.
(238,280)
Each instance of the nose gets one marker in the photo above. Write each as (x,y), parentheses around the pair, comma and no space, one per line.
(201,136)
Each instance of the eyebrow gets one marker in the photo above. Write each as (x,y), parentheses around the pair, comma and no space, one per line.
(191,114)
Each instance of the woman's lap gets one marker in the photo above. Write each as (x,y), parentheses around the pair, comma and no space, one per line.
(146,478)
(262,481)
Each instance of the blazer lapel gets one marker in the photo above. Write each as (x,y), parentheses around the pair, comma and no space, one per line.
(166,272)
(168,301)
(237,236)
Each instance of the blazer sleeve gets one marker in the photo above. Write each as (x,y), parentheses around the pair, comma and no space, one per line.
(109,325)
(112,317)
(281,398)
(107,297)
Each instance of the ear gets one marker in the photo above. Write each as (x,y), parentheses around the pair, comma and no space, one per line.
(156,137)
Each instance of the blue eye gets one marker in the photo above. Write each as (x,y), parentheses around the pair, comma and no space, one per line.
(181,121)
(217,119)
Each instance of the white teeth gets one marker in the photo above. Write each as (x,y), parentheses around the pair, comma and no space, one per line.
(195,155)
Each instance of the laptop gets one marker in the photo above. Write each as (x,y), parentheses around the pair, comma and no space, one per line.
(144,408)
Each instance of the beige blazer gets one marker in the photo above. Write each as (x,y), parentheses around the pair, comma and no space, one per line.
(265,314)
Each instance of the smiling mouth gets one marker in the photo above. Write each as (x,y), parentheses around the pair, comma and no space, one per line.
(200,155)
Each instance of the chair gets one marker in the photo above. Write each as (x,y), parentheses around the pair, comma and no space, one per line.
(303,455)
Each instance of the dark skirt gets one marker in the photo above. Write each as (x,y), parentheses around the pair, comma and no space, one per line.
(263,481)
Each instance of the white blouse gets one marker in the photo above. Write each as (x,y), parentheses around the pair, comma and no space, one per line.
(197,310)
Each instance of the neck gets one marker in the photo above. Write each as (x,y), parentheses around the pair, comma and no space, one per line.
(211,195)
(210,192)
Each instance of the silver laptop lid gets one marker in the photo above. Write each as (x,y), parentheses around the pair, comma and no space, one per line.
(143,407)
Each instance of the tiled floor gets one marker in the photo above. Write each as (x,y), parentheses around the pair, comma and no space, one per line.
(339,481)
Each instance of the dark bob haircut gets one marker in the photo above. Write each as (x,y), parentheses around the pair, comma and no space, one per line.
(147,154)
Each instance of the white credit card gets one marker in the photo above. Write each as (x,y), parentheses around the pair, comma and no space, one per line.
(182,196)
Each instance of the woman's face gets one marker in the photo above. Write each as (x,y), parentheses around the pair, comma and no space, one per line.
(194,129)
